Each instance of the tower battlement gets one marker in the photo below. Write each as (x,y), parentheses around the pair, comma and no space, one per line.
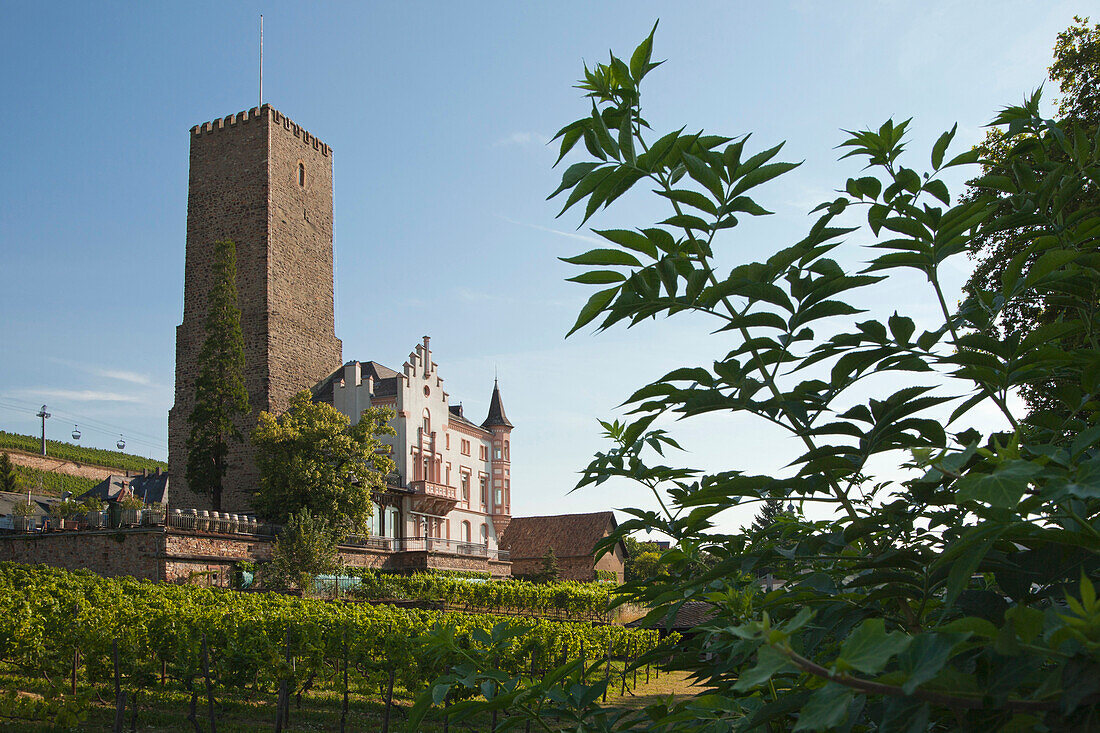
(274,115)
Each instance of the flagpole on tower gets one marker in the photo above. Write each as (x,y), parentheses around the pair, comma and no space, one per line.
(261,60)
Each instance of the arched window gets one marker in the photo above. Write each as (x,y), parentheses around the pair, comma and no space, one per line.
(466,532)
(302,175)
(506,451)
(484,534)
(427,423)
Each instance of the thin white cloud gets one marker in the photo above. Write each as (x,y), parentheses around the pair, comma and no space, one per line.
(132,377)
(76,395)
(119,374)
(560,233)
(522,138)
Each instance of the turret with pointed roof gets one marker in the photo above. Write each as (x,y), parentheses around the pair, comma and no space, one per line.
(496,417)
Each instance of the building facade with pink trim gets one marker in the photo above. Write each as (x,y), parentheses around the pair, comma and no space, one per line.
(451,490)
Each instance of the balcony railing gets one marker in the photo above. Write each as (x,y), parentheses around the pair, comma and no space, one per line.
(428,544)
(430,488)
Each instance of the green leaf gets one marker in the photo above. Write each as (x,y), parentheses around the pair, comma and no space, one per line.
(761,175)
(926,656)
(1002,488)
(870,647)
(691,198)
(631,240)
(744,203)
(626,136)
(826,709)
(702,173)
(940,148)
(1027,621)
(639,60)
(593,308)
(598,277)
(603,256)
(902,328)
(769,663)
(572,176)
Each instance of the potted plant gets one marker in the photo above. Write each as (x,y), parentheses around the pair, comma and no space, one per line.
(93,509)
(23,516)
(130,507)
(63,512)
(153,514)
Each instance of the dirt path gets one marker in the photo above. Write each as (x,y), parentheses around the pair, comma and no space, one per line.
(676,684)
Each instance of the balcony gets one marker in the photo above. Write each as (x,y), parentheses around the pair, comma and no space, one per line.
(429,497)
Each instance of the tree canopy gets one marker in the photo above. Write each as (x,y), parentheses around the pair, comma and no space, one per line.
(1076,71)
(311,458)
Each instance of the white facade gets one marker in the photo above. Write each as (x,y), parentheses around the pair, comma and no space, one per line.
(453,479)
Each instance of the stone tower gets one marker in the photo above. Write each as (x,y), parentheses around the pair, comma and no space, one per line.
(264,182)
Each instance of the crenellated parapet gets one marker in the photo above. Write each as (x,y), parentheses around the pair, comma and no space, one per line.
(272,115)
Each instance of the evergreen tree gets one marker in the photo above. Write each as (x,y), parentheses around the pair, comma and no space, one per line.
(769,514)
(220,395)
(550,571)
(9,479)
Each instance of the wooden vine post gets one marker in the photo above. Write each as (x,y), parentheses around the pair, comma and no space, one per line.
(120,696)
(607,675)
(344,707)
(209,686)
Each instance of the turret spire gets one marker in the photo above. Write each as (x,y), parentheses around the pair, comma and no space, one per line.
(496,415)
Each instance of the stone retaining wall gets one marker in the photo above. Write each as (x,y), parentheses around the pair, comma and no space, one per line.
(174,556)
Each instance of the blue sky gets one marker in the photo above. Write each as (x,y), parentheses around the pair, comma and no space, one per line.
(438,114)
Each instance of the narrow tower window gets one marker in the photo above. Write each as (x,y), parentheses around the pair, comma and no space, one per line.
(302,175)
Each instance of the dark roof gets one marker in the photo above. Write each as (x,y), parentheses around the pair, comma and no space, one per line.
(385,381)
(8,500)
(109,489)
(571,535)
(460,418)
(152,488)
(496,411)
(690,615)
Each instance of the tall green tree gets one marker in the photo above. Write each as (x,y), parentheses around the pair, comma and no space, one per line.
(311,458)
(9,479)
(1076,71)
(221,400)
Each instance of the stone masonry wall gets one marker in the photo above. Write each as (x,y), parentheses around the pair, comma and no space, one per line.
(243,185)
(112,553)
(160,554)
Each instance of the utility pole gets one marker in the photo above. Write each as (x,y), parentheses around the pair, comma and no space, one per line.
(45,416)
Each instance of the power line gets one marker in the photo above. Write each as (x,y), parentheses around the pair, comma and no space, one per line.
(94,425)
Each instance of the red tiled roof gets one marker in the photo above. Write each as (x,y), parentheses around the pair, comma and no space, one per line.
(571,535)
